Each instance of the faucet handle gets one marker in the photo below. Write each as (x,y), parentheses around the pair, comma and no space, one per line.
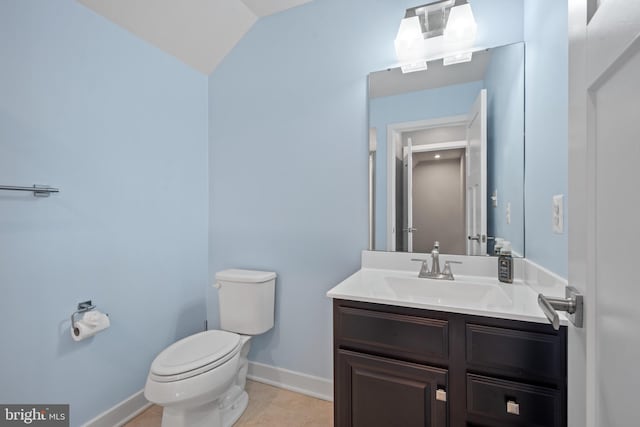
(447,269)
(424,269)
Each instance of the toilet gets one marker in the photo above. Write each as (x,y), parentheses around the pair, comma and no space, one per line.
(200,380)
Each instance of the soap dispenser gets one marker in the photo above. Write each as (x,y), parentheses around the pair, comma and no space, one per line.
(497,247)
(505,263)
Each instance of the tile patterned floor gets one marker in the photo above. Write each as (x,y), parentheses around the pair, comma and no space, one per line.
(268,406)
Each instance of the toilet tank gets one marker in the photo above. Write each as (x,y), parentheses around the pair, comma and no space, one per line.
(246,300)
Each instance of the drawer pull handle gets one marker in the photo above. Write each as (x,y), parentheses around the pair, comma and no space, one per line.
(441,395)
(513,407)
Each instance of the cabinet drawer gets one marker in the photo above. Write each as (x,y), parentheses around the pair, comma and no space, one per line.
(513,403)
(410,337)
(519,353)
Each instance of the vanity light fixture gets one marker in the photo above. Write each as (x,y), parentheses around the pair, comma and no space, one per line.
(458,58)
(414,66)
(440,29)
(409,45)
(461,29)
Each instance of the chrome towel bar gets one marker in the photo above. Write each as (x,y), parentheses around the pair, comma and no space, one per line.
(38,190)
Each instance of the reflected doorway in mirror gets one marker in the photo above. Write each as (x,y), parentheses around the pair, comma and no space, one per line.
(434,189)
(403,103)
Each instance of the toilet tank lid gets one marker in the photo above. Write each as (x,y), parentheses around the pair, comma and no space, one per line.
(247,276)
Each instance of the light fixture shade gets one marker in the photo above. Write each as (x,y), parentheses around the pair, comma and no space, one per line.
(408,42)
(461,29)
(458,58)
(410,67)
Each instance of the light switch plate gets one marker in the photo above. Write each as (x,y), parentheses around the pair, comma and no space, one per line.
(558,213)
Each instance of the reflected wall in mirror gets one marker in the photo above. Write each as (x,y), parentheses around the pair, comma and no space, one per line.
(449,155)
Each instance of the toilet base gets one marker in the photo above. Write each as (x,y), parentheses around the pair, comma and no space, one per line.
(209,415)
(235,412)
(222,411)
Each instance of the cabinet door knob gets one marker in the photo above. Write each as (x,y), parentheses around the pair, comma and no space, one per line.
(441,395)
(513,407)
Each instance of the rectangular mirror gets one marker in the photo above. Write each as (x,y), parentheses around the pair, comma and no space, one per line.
(446,155)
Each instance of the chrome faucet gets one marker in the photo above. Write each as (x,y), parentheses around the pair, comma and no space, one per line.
(435,259)
(435,272)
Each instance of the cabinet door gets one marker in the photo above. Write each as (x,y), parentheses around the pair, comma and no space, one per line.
(373,391)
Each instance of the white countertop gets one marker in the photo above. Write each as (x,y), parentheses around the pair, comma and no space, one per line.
(475,295)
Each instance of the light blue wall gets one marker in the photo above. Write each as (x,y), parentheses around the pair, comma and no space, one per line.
(547,129)
(121,128)
(504,81)
(288,157)
(453,100)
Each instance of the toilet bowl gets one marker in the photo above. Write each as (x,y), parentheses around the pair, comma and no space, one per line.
(200,380)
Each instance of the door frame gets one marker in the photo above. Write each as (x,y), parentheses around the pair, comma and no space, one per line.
(395,131)
(479,110)
(578,385)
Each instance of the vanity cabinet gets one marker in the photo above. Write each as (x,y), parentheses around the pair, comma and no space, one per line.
(397,366)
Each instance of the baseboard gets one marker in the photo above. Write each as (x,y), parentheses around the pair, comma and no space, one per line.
(298,382)
(121,413)
(317,387)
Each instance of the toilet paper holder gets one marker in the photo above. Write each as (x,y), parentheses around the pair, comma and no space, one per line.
(83,307)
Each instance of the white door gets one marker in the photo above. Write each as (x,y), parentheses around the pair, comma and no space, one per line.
(407,197)
(476,161)
(392,193)
(604,205)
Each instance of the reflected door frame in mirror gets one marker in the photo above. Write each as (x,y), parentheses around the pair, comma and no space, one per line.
(498,70)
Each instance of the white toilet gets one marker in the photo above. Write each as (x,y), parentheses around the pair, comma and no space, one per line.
(200,379)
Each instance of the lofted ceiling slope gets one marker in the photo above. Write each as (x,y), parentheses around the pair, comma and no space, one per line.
(198,32)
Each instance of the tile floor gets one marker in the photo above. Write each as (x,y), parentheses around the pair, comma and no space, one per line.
(268,406)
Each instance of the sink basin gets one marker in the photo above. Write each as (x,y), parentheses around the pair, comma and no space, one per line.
(445,292)
(480,295)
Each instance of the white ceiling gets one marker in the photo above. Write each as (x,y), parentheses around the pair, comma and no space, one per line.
(428,156)
(198,32)
(269,7)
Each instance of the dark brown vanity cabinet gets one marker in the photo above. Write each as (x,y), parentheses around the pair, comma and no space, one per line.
(404,367)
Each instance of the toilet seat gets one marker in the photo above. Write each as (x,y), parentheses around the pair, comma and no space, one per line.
(195,355)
